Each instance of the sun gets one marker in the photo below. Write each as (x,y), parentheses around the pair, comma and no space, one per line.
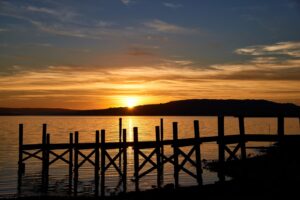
(131,102)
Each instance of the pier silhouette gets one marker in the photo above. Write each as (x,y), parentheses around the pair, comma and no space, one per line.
(179,159)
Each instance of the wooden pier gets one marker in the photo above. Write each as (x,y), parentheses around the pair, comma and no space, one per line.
(103,159)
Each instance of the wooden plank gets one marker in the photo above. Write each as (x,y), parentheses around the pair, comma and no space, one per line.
(187,157)
(30,155)
(147,159)
(112,161)
(86,158)
(58,157)
(232,154)
(228,139)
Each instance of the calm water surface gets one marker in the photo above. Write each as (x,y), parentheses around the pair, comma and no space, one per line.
(60,127)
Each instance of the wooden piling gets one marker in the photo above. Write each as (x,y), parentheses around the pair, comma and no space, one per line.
(221,145)
(70,162)
(120,140)
(76,163)
(198,152)
(97,167)
(44,156)
(44,141)
(242,134)
(136,157)
(176,154)
(47,157)
(103,151)
(21,167)
(124,178)
(158,157)
(162,148)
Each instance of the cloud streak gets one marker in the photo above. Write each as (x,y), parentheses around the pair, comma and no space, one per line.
(281,48)
(161,26)
(172,79)
(172,5)
(126,2)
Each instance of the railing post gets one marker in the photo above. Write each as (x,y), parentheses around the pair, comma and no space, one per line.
(158,156)
(198,152)
(70,162)
(97,167)
(44,141)
(76,163)
(21,166)
(44,156)
(120,140)
(103,151)
(47,154)
(162,148)
(136,157)
(242,135)
(176,154)
(221,148)
(124,178)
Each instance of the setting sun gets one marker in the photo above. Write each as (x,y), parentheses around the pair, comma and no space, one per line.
(131,102)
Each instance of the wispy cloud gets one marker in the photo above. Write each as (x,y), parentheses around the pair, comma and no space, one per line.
(43,10)
(172,5)
(139,50)
(281,48)
(161,26)
(168,81)
(126,2)
(3,30)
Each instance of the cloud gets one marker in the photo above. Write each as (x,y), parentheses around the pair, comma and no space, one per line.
(126,2)
(161,26)
(281,48)
(172,5)
(279,61)
(43,10)
(3,30)
(60,85)
(142,51)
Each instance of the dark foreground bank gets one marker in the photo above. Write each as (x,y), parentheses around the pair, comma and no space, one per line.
(228,189)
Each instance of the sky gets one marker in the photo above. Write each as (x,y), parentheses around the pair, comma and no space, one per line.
(90,54)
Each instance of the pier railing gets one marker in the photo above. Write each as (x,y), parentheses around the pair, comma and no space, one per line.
(103,159)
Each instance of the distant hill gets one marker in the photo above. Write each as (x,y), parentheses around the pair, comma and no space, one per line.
(193,107)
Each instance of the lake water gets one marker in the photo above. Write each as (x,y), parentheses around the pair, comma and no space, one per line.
(60,127)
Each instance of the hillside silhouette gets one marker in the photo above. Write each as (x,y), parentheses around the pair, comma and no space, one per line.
(192,107)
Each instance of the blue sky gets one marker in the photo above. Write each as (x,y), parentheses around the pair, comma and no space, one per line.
(155,51)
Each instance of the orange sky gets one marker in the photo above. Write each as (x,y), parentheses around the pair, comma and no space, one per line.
(87,89)
(62,54)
